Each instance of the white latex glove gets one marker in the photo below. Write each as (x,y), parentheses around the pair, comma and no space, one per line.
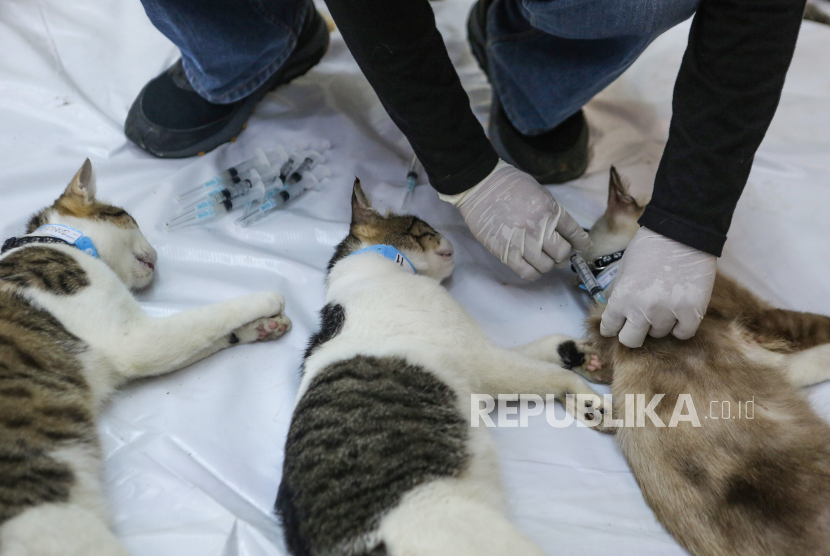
(663,286)
(519,221)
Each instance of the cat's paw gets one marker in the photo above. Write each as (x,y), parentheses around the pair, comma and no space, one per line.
(261,330)
(605,412)
(257,305)
(580,357)
(272,303)
(596,414)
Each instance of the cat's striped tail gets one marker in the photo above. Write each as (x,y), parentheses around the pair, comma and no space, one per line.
(801,330)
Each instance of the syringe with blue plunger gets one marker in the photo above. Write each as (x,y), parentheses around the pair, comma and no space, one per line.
(219,206)
(265,163)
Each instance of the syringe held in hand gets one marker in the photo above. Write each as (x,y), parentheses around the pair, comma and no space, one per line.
(587,277)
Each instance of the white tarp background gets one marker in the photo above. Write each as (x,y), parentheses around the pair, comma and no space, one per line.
(193,459)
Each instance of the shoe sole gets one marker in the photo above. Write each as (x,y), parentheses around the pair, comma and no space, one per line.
(239,121)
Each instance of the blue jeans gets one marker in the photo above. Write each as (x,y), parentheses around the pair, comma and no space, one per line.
(547,58)
(229,47)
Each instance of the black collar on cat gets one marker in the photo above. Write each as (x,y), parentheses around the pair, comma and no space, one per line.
(13,242)
(601,263)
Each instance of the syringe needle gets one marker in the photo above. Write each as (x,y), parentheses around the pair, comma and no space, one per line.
(411,181)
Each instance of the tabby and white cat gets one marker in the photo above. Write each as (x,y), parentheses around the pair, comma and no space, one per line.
(754,484)
(70,333)
(380,457)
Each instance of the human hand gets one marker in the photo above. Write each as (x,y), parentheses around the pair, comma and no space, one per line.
(519,221)
(663,286)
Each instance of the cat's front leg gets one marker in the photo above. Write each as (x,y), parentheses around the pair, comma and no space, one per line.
(156,346)
(261,330)
(574,354)
(500,371)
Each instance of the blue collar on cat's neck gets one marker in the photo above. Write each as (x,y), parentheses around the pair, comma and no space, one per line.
(54,233)
(388,252)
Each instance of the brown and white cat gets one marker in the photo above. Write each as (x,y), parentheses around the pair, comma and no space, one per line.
(380,458)
(70,333)
(753,484)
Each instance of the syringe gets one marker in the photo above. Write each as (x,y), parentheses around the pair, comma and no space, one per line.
(243,187)
(587,277)
(290,176)
(277,198)
(296,175)
(217,206)
(317,173)
(411,180)
(262,162)
(297,164)
(206,214)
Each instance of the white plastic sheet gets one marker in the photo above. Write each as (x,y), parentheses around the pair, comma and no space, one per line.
(193,459)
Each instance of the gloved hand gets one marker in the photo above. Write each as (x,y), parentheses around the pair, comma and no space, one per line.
(519,221)
(663,286)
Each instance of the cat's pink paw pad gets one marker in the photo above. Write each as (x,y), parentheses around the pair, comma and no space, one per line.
(593,364)
(272,326)
(264,329)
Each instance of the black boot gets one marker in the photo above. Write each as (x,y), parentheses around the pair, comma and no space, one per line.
(556,156)
(170,120)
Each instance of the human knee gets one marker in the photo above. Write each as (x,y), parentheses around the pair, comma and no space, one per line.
(603,19)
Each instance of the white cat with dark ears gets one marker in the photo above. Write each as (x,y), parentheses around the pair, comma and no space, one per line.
(70,333)
(381,458)
(751,482)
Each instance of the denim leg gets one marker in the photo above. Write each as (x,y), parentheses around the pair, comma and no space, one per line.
(229,47)
(548,58)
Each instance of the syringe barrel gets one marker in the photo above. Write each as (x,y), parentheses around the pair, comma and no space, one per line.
(587,277)
(261,162)
(297,174)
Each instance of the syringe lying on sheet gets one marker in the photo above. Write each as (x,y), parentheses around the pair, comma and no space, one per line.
(265,163)
(231,189)
(243,187)
(217,204)
(587,277)
(277,197)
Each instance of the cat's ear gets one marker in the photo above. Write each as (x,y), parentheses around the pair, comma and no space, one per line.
(82,187)
(618,197)
(362,211)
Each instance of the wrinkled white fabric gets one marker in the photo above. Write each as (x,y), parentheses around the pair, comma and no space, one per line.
(193,459)
(663,286)
(519,221)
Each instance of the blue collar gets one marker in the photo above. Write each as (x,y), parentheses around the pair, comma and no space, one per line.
(51,233)
(388,252)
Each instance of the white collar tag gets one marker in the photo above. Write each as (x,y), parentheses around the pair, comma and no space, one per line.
(606,277)
(389,252)
(69,235)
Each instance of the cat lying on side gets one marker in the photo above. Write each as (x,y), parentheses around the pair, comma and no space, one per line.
(380,457)
(753,484)
(70,333)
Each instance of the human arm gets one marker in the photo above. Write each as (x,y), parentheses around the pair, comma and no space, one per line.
(725,96)
(402,54)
